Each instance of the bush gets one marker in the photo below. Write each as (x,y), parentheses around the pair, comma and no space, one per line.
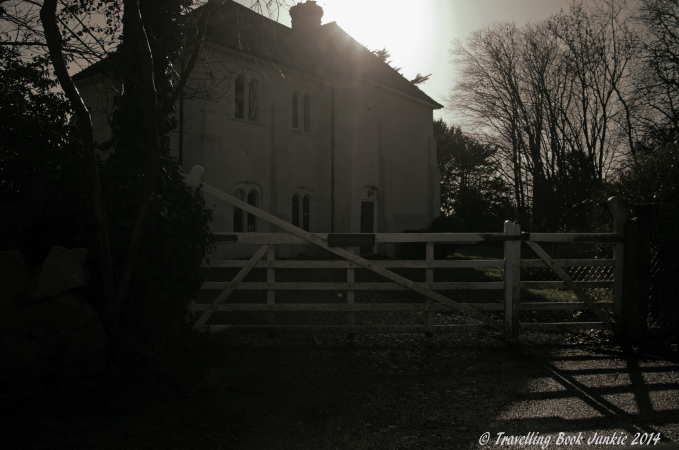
(442,224)
(652,178)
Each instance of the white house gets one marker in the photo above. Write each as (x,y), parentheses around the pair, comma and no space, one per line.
(305,123)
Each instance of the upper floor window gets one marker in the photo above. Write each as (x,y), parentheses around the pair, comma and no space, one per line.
(239,113)
(295,111)
(253,104)
(307,114)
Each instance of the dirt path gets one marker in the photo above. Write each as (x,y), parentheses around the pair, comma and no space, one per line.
(386,392)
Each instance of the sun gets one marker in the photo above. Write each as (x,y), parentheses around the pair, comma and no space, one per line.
(402,27)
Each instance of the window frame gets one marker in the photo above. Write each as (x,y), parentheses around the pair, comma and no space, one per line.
(295,213)
(306,212)
(253,100)
(306,107)
(301,208)
(243,221)
(251,224)
(238,214)
(239,104)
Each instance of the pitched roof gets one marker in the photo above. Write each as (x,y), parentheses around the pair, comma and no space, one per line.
(325,52)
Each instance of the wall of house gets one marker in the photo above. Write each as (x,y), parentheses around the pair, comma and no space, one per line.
(386,143)
(265,155)
(383,147)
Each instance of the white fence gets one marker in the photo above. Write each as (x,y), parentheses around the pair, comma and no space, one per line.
(330,305)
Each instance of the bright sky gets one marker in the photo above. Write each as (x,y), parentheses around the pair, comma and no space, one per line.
(418,33)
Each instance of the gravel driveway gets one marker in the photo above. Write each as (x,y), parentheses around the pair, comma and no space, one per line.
(381,392)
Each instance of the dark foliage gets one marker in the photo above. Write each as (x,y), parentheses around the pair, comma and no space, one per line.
(46,203)
(471,186)
(652,178)
(42,170)
(442,224)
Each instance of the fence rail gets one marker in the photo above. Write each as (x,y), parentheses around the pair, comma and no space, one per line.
(510,284)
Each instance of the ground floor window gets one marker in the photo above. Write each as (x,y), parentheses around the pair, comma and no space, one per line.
(252,219)
(245,221)
(301,211)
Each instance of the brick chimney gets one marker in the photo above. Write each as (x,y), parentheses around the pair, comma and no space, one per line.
(306,16)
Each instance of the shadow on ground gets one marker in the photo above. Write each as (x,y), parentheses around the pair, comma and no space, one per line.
(383,392)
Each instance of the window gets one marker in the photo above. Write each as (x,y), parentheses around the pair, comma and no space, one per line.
(240,98)
(253,104)
(295,111)
(307,114)
(295,210)
(305,213)
(252,219)
(244,221)
(238,214)
(301,216)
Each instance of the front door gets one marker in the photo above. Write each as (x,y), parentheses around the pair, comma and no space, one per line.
(367,222)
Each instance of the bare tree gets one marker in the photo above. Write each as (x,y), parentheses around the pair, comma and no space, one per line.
(154,112)
(495,97)
(658,75)
(90,30)
(554,97)
(599,50)
(94,32)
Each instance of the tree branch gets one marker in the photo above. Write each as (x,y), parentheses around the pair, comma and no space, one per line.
(202,26)
(54,42)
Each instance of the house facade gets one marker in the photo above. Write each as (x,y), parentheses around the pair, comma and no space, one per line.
(304,123)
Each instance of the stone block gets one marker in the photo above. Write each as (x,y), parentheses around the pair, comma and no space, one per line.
(61,270)
(60,337)
(14,276)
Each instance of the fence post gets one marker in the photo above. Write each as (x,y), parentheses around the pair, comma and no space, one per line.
(617,208)
(428,315)
(516,295)
(511,278)
(635,295)
(271,294)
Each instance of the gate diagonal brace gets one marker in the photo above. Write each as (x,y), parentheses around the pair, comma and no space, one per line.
(569,281)
(471,312)
(232,286)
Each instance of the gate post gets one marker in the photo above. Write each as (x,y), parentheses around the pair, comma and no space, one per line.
(617,208)
(512,273)
(635,295)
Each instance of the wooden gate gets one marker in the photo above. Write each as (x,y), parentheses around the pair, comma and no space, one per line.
(502,315)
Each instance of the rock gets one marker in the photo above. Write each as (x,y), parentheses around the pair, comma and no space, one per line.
(60,337)
(14,276)
(61,270)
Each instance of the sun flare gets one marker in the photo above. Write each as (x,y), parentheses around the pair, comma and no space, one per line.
(402,27)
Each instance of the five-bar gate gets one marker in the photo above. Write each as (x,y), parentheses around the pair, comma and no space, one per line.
(259,289)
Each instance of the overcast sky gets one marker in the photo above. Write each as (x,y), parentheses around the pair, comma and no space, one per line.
(418,33)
